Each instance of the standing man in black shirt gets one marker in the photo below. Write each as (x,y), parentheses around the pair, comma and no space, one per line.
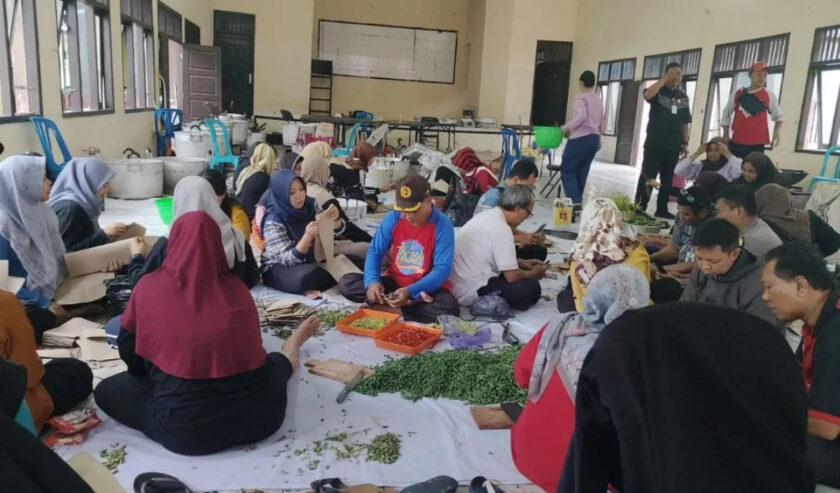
(667,137)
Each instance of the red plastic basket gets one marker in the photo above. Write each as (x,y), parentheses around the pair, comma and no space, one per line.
(393,329)
(309,138)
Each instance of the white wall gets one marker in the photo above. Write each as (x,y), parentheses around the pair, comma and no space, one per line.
(611,29)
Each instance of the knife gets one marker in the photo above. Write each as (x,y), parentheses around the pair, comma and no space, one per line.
(342,396)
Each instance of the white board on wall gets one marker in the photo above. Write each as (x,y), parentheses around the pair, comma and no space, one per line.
(388,52)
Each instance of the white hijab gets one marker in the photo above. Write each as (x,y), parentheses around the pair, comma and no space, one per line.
(30,225)
(194,193)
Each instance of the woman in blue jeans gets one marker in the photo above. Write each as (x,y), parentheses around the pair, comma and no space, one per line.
(584,132)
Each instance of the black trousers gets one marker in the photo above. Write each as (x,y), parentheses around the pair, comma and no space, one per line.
(41,319)
(657,162)
(68,381)
(532,252)
(352,286)
(824,460)
(298,279)
(566,300)
(741,150)
(130,399)
(520,295)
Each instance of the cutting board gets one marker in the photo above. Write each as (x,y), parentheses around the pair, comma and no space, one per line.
(336,369)
(491,418)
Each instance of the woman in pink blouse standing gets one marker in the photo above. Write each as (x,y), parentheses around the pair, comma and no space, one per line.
(584,132)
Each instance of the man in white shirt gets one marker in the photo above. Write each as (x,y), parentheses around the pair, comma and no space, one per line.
(747,113)
(737,205)
(485,254)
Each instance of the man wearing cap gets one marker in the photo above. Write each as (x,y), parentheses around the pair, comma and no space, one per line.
(420,242)
(747,112)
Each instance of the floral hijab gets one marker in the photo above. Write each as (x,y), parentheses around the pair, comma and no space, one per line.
(600,241)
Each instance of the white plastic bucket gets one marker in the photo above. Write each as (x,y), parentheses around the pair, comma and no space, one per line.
(136,178)
(290,133)
(240,132)
(255,137)
(177,167)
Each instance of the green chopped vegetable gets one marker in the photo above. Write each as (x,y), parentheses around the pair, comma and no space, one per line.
(330,317)
(384,448)
(369,323)
(477,378)
(114,457)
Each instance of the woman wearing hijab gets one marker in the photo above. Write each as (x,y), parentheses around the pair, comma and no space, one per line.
(315,172)
(549,366)
(198,379)
(194,193)
(30,239)
(345,180)
(718,160)
(601,243)
(229,205)
(478,177)
(51,389)
(252,181)
(78,198)
(290,232)
(289,160)
(775,206)
(758,170)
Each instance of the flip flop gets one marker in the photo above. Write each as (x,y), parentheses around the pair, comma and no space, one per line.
(440,484)
(157,482)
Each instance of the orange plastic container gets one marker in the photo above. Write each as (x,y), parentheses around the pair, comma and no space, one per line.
(344,325)
(396,327)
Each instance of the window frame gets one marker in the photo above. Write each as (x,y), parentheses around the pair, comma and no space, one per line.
(834,138)
(6,60)
(164,36)
(603,84)
(715,76)
(100,8)
(140,21)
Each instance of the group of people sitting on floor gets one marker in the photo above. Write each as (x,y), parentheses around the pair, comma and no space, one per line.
(738,243)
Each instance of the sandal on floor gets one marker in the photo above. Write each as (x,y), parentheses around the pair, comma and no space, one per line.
(157,482)
(480,484)
(440,484)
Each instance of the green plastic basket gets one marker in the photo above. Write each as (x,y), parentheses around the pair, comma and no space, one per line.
(548,137)
(164,207)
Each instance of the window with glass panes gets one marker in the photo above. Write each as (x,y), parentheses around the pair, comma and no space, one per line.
(730,72)
(819,127)
(20,90)
(610,76)
(137,29)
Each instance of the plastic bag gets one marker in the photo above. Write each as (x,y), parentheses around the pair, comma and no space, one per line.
(455,330)
(118,292)
(491,306)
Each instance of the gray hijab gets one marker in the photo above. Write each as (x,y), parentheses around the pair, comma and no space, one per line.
(79,182)
(288,160)
(568,337)
(30,225)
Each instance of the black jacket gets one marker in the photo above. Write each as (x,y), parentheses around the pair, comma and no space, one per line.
(251,192)
(688,397)
(77,229)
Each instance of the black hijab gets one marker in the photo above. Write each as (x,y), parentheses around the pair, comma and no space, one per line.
(686,396)
(765,170)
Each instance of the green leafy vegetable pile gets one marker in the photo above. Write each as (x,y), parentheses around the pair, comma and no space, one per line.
(476,378)
(385,449)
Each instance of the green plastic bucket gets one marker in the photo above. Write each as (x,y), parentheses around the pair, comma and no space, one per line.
(164,207)
(548,137)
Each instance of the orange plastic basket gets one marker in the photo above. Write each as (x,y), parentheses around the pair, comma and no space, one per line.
(345,324)
(393,329)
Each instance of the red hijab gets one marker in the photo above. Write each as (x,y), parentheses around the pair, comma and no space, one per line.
(193,318)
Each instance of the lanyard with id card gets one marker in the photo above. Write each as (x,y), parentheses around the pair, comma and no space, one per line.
(673,106)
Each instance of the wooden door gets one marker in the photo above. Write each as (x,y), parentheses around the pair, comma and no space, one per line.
(626,121)
(234,33)
(202,80)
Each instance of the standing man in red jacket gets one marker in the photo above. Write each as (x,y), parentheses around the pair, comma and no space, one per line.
(747,112)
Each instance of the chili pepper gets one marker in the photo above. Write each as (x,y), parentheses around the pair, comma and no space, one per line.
(409,337)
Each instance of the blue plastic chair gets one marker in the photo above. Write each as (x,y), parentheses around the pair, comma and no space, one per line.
(43,127)
(167,122)
(510,151)
(351,141)
(835,177)
(216,127)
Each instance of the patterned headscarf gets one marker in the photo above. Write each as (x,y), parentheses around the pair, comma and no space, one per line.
(568,337)
(600,241)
